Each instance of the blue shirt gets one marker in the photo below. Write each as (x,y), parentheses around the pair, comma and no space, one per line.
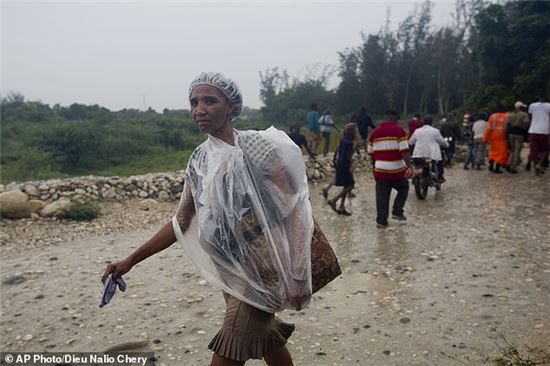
(313,121)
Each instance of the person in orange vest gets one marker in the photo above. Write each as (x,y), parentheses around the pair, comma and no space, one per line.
(495,136)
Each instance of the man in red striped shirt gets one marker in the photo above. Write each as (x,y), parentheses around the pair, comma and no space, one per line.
(389,150)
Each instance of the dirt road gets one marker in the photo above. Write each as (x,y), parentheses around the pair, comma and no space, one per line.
(471,264)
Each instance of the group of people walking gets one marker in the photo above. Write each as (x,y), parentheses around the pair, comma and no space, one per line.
(504,133)
(388,146)
(322,125)
(495,141)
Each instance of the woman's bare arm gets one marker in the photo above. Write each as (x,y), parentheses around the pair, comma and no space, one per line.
(164,238)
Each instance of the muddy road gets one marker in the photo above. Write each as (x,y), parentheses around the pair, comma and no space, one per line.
(470,268)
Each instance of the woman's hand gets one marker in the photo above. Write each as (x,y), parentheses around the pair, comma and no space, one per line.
(160,241)
(117,269)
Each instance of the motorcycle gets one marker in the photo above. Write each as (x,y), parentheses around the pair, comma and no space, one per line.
(424,176)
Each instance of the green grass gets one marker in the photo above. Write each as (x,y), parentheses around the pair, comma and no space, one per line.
(113,143)
(515,356)
(25,164)
(162,160)
(37,165)
(511,356)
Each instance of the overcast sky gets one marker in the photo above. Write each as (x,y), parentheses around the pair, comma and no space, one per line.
(134,54)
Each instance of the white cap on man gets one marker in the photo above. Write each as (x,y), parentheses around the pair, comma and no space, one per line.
(519,104)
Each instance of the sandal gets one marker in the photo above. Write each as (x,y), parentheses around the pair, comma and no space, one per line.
(344,212)
(333,205)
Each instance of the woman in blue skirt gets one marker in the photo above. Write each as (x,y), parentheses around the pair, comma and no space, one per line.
(342,164)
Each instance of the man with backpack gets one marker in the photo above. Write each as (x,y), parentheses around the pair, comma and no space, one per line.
(326,124)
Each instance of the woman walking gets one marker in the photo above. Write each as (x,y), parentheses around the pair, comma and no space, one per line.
(248,190)
(342,163)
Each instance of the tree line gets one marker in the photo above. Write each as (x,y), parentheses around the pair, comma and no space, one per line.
(40,142)
(493,53)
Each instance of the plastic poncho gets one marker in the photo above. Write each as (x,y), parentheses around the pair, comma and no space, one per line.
(253,216)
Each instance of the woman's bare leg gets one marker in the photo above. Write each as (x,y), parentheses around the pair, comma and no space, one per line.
(280,357)
(339,196)
(344,194)
(218,360)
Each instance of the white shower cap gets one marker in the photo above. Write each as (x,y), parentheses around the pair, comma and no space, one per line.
(227,86)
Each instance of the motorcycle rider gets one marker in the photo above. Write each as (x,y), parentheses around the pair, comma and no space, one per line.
(428,142)
(451,131)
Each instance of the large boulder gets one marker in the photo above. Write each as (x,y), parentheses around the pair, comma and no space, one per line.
(31,190)
(36,205)
(56,208)
(14,205)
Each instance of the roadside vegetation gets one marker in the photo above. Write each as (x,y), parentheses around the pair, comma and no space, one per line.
(82,212)
(492,53)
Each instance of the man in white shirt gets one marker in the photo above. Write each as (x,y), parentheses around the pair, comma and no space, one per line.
(326,123)
(539,132)
(480,147)
(427,142)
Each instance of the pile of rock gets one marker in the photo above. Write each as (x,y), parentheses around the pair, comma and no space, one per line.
(53,197)
(16,205)
(320,167)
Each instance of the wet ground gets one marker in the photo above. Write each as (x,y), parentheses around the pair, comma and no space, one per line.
(469,270)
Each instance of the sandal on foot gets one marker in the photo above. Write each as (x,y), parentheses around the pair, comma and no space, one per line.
(344,212)
(333,205)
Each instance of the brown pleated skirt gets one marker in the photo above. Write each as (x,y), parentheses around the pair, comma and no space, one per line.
(248,332)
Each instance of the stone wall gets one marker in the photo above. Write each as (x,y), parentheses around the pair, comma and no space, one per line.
(163,186)
(159,186)
(321,168)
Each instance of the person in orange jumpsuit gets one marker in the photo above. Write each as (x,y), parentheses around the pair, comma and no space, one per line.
(495,135)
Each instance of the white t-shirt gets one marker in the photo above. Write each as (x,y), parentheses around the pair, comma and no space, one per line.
(479,128)
(540,122)
(325,122)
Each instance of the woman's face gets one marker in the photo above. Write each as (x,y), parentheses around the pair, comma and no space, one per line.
(210,110)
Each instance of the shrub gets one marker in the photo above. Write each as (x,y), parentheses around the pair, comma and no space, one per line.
(82,212)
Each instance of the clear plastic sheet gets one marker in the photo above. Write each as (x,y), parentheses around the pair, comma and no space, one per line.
(253,217)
